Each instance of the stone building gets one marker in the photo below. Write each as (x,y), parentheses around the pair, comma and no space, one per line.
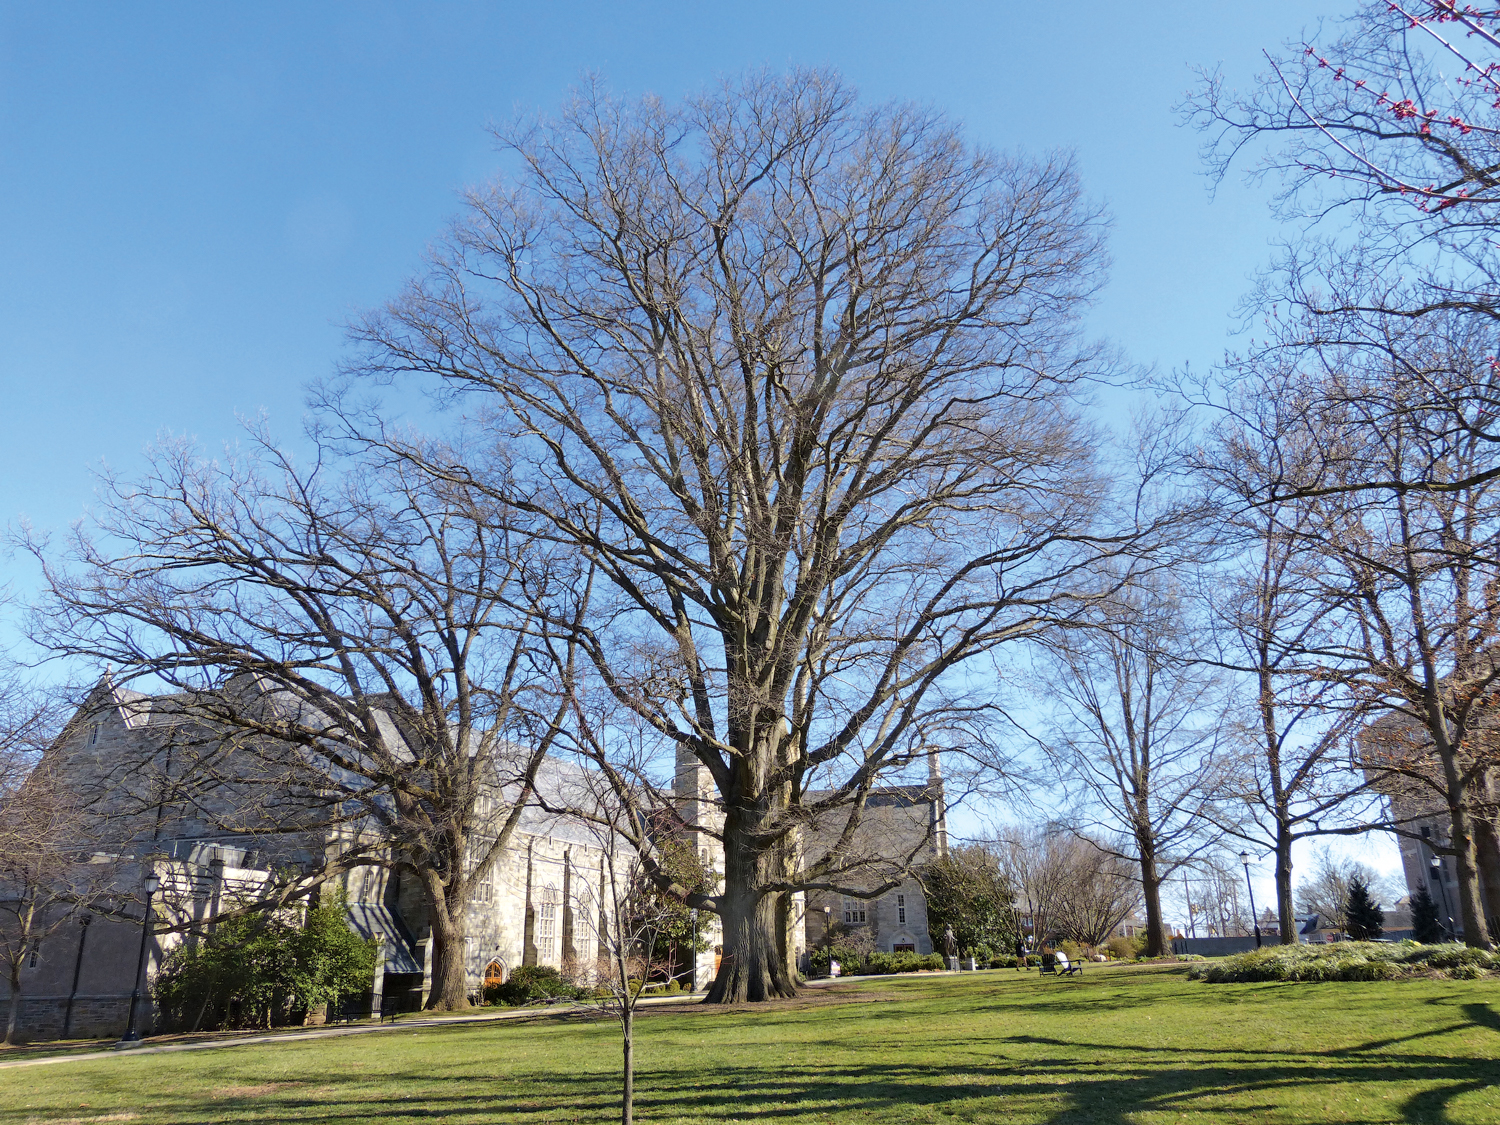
(1417,805)
(540,905)
(900,828)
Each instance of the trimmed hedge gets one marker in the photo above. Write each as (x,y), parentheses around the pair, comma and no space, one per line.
(1007,961)
(531,984)
(1349,960)
(852,964)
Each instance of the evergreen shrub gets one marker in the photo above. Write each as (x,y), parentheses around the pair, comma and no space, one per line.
(533,984)
(1348,960)
(260,970)
(1425,926)
(1362,915)
(852,963)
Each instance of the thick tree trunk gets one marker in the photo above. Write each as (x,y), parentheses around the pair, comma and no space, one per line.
(448,920)
(1284,910)
(787,935)
(1151,893)
(754,966)
(1470,898)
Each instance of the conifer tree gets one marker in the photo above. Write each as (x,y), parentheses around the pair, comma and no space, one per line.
(1425,926)
(1362,915)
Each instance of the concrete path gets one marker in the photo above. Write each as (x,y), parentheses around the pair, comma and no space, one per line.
(145,1048)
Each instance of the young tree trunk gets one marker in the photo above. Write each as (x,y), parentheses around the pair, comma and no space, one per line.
(447,917)
(15,1003)
(1151,893)
(627,1073)
(1284,910)
(786,933)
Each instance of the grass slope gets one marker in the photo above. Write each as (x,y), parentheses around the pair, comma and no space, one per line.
(1142,1045)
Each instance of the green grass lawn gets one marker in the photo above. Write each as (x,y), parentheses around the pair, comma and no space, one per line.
(1122,1044)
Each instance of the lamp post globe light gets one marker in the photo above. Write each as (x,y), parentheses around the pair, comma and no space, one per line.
(149,884)
(1254,917)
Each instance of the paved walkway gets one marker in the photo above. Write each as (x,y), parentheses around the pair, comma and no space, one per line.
(325,1032)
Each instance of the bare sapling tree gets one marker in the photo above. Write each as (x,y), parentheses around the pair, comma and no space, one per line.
(1215,893)
(46,877)
(1297,776)
(797,376)
(349,654)
(1137,734)
(629,915)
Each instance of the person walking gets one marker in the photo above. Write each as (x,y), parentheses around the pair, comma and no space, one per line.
(1020,955)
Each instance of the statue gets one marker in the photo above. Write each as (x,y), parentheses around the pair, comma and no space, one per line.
(950,943)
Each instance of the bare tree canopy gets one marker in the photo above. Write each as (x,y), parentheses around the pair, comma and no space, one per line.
(348,654)
(1102,890)
(796,375)
(1403,577)
(1065,884)
(1138,734)
(1385,142)
(1392,127)
(1295,773)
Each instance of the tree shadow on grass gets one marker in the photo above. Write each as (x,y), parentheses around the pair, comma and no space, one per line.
(1223,1084)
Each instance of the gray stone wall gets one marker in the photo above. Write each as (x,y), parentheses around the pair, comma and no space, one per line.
(94,1016)
(900,828)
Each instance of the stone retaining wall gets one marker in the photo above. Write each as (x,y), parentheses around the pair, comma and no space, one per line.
(94,1016)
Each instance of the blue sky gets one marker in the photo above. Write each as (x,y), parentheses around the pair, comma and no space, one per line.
(194,198)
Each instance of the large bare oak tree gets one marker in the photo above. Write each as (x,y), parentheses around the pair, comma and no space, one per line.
(796,375)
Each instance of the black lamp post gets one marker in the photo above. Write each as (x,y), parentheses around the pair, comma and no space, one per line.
(1245,859)
(1437,875)
(149,885)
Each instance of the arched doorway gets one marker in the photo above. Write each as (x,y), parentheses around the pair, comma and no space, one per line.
(494,974)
